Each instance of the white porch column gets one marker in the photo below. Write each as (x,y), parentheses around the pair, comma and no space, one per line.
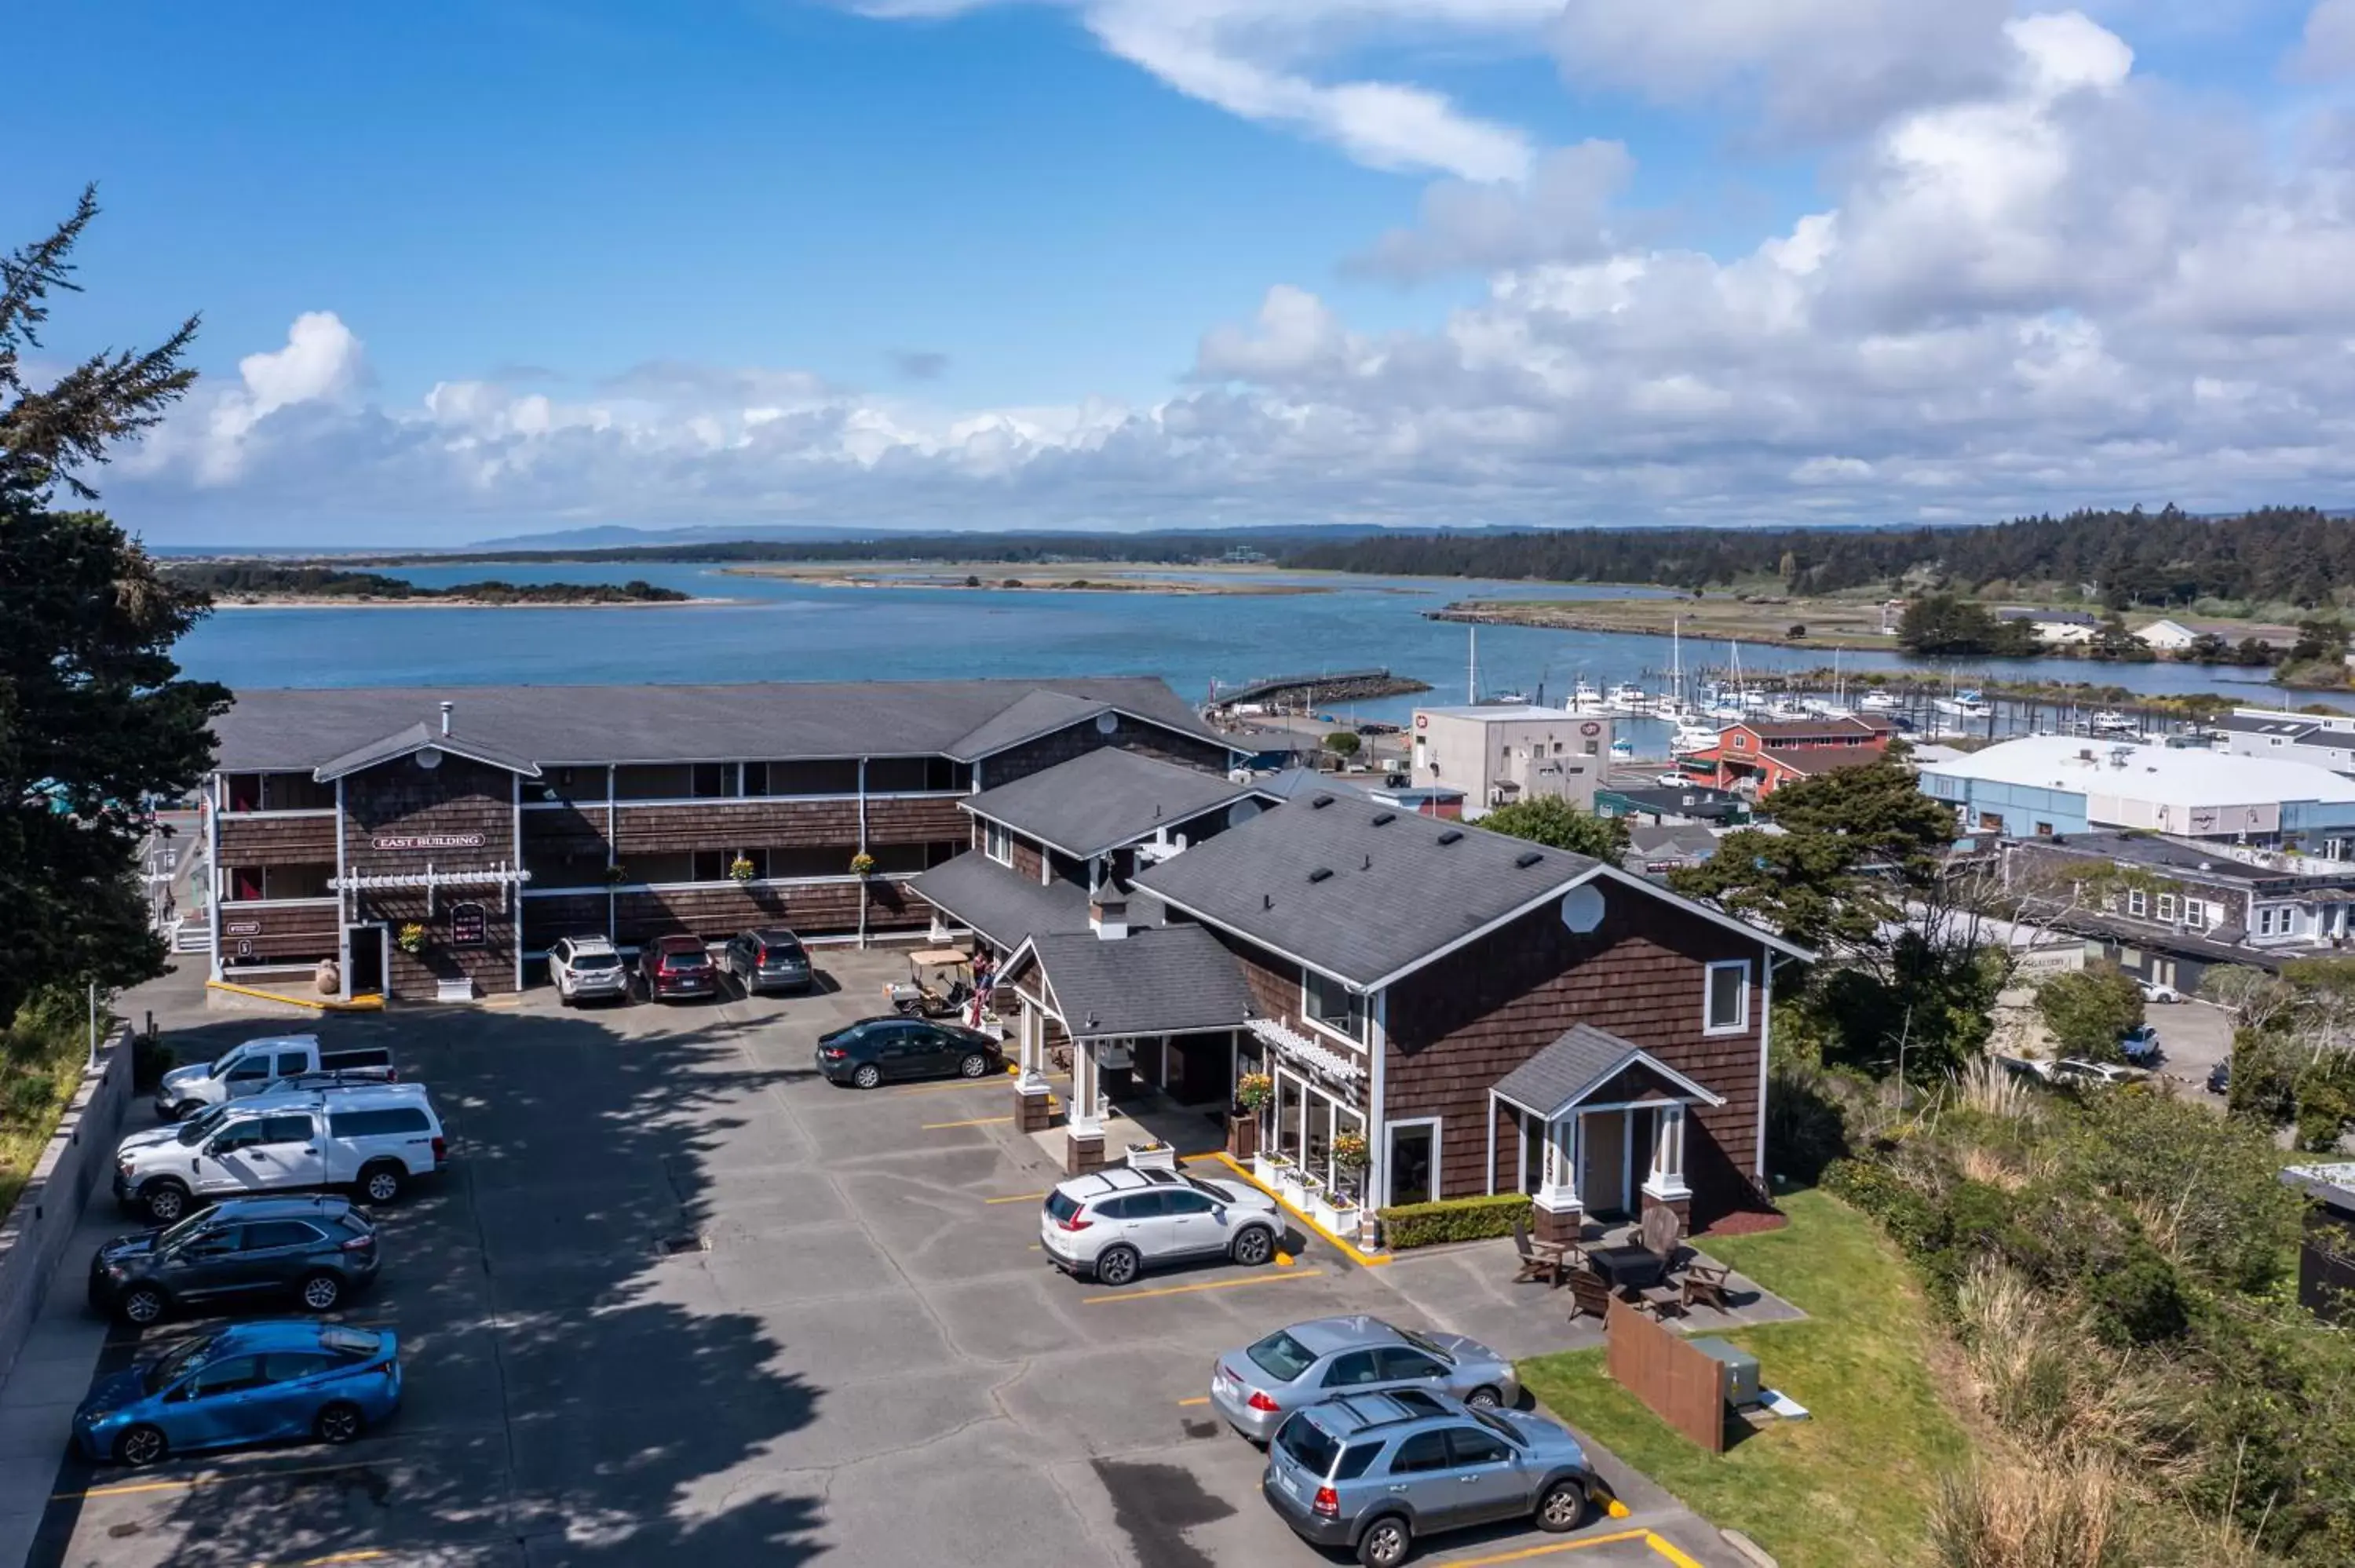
(1557,1215)
(1033,1049)
(1087,1112)
(1667,1178)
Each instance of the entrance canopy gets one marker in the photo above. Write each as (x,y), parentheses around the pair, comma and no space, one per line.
(1588,1067)
(1157,979)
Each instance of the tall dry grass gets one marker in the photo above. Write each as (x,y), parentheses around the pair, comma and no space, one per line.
(1990,1089)
(2040,1515)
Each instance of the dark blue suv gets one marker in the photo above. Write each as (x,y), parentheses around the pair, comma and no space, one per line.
(314,1250)
(1375,1472)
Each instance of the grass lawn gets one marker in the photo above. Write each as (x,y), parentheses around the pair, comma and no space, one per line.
(39,1070)
(1852,1484)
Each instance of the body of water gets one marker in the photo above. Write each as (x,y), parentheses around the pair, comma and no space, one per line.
(784,630)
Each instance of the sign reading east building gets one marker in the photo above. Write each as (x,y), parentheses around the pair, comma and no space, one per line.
(470,926)
(426,841)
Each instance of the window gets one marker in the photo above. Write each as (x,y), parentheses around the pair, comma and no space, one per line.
(1184,1203)
(1423,1451)
(2167,905)
(1473,1447)
(2195,912)
(835,777)
(1726,1010)
(285,1366)
(2138,902)
(1326,1002)
(269,1234)
(286,1129)
(718,866)
(1280,1356)
(254,1066)
(996,843)
(652,783)
(1354,1460)
(714,780)
(1399,1363)
(377,1123)
(913,775)
(307,880)
(225,1376)
(2274,920)
(1353,1370)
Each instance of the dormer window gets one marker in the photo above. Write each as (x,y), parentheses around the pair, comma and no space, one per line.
(998,843)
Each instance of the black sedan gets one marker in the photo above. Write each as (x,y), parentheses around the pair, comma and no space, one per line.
(316,1251)
(872,1050)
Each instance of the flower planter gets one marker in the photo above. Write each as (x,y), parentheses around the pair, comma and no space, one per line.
(1242,1139)
(1262,1167)
(1339,1215)
(1292,1186)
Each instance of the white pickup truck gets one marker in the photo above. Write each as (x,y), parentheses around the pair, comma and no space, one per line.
(260,1064)
(375,1138)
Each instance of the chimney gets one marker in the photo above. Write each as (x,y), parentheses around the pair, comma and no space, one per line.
(445,717)
(1108,913)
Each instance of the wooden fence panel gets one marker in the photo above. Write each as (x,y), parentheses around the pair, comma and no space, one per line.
(1685,1387)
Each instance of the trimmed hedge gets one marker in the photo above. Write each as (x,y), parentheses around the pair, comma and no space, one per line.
(1453,1220)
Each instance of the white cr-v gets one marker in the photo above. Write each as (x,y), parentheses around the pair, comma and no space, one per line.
(1112,1222)
(376,1140)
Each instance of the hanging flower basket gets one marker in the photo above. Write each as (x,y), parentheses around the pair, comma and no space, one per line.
(740,869)
(617,874)
(1350,1151)
(1253,1093)
(862,864)
(410,938)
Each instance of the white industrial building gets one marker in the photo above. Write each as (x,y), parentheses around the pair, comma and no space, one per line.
(2165,636)
(2045,786)
(1497,755)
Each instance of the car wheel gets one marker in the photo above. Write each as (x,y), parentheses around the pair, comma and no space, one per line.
(1254,1246)
(1562,1507)
(1117,1265)
(564,998)
(141,1305)
(338,1422)
(1385,1542)
(974,1065)
(380,1183)
(1483,1398)
(321,1292)
(166,1201)
(868,1076)
(142,1445)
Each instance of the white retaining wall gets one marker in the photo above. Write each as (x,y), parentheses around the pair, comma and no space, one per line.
(34,1239)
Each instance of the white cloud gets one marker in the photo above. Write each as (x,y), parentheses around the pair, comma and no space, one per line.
(2066,285)
(2326,51)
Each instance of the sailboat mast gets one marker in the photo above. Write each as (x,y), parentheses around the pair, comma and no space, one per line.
(1472,663)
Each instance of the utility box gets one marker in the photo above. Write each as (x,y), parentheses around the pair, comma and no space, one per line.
(1740,1369)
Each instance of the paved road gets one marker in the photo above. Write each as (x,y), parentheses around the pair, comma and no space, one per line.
(857,1355)
(2194,1036)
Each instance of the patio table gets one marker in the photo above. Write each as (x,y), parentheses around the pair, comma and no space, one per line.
(1628,1267)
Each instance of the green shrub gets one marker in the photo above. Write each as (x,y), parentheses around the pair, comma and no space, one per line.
(150,1060)
(1453,1220)
(2138,1301)
(1888,1197)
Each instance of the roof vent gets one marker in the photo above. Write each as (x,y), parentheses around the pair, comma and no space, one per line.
(445,717)
(1267,900)
(1321,874)
(1318,802)
(1527,859)
(1450,835)
(1384,818)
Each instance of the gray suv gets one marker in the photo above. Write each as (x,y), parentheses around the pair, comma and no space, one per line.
(1374,1472)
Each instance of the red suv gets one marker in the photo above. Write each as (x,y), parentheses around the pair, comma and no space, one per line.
(675,967)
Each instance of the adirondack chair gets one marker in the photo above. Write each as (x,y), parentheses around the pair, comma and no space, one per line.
(1707,1285)
(1661,1231)
(1589,1292)
(1542,1261)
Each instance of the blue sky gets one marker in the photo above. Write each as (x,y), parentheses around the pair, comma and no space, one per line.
(474,268)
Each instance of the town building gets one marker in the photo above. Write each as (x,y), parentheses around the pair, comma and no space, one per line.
(2326,1259)
(2325,740)
(1656,851)
(2167,911)
(2040,786)
(1756,757)
(2165,636)
(433,841)
(1667,806)
(2055,628)
(1504,753)
(1387,789)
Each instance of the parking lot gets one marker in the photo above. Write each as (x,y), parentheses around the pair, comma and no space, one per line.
(678,1300)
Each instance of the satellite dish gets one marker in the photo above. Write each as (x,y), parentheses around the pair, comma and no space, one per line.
(1581,909)
(1241,812)
(1107,723)
(429,758)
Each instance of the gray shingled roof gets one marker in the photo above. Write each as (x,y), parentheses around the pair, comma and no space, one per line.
(1397,887)
(1103,799)
(1159,980)
(975,891)
(416,738)
(1577,1063)
(552,725)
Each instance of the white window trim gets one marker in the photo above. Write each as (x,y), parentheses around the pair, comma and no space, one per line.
(2138,902)
(1438,1154)
(1322,1027)
(997,837)
(2166,906)
(1708,990)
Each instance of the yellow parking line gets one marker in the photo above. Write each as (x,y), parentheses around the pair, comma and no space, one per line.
(976,1122)
(1017,1198)
(944,1088)
(194,1482)
(1548,1550)
(1669,1550)
(1198,1399)
(367,1555)
(1206,1285)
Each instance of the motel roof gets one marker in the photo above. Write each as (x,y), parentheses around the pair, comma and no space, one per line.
(276,729)
(2121,770)
(1002,905)
(1105,798)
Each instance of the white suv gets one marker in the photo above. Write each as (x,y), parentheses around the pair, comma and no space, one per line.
(586,967)
(1115,1221)
(376,1140)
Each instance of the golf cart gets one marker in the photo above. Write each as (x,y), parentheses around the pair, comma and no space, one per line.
(939,984)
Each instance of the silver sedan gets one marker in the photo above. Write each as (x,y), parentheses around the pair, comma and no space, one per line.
(1255,1388)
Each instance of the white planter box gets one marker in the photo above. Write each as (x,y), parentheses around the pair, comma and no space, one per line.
(1339,1217)
(1263,1169)
(1165,1158)
(1288,1187)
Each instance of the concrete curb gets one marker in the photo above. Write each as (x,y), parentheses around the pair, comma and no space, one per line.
(34,1239)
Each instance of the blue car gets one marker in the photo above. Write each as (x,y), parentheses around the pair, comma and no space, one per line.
(253,1382)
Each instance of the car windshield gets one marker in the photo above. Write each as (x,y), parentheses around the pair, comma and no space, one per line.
(1208,1190)
(1308,1444)
(224,1064)
(196,1128)
(164,1373)
(684,960)
(1426,1346)
(1280,1356)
